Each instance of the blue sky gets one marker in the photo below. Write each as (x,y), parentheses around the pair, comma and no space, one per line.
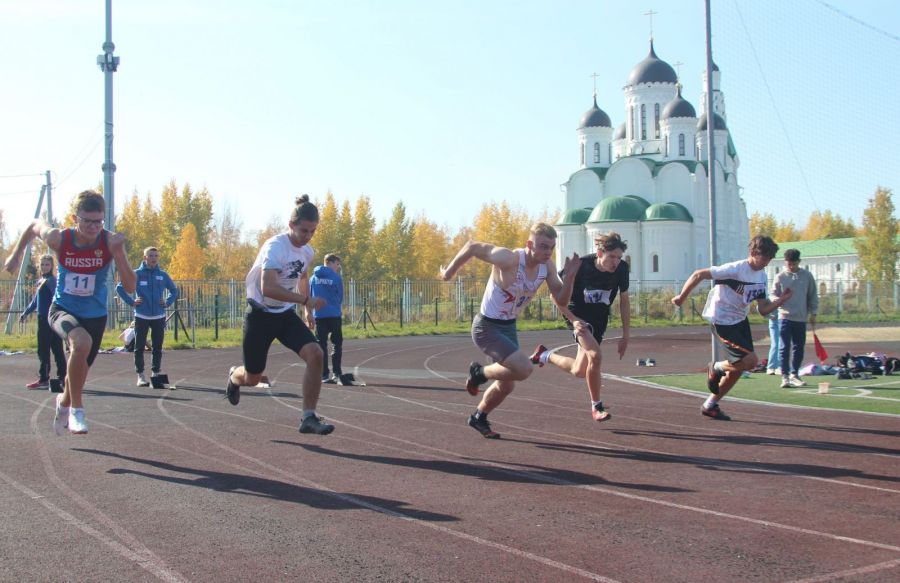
(440,105)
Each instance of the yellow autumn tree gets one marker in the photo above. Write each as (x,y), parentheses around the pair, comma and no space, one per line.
(189,259)
(430,247)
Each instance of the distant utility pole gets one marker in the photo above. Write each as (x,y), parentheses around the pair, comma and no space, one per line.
(49,186)
(17,300)
(108,64)
(710,156)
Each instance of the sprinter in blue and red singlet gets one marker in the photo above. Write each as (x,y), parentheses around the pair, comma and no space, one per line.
(78,312)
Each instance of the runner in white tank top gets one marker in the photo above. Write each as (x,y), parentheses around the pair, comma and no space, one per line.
(505,304)
(508,290)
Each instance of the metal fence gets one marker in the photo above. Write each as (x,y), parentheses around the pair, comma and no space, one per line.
(221,303)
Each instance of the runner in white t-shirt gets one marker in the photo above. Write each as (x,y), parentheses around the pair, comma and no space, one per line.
(736,286)
(276,283)
(516,276)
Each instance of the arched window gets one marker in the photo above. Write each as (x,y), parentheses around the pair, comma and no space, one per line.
(681,144)
(643,122)
(837,267)
(581,151)
(609,151)
(596,152)
(655,260)
(656,119)
(631,122)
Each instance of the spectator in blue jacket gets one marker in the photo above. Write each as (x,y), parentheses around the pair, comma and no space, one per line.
(47,340)
(150,303)
(326,283)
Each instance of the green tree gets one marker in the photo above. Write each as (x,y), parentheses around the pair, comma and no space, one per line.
(359,263)
(326,237)
(129,224)
(877,247)
(169,221)
(393,245)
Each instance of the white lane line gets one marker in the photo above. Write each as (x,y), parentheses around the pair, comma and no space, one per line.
(850,572)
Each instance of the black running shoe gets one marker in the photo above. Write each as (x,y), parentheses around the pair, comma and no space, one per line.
(713,377)
(483,427)
(314,424)
(232,391)
(475,379)
(346,379)
(715,412)
(536,355)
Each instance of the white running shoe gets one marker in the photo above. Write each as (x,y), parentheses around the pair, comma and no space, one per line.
(785,383)
(77,423)
(796,381)
(60,417)
(142,380)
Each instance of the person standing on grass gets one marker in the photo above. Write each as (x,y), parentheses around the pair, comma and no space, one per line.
(326,283)
(599,277)
(516,275)
(736,285)
(155,292)
(47,340)
(276,283)
(793,315)
(78,314)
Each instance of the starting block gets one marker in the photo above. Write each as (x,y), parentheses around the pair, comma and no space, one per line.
(651,362)
(56,386)
(160,381)
(348,380)
(645,362)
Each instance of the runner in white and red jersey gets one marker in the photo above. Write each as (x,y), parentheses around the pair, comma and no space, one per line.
(516,276)
(78,312)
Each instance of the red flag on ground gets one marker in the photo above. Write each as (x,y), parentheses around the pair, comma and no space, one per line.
(821,354)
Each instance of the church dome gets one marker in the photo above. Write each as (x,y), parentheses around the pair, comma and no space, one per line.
(620,132)
(619,208)
(595,118)
(652,70)
(668,211)
(574,217)
(678,107)
(719,124)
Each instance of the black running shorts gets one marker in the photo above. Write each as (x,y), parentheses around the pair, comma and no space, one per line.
(736,339)
(261,328)
(63,322)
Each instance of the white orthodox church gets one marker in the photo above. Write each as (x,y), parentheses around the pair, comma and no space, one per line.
(647,180)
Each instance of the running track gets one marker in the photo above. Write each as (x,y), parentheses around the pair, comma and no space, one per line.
(181,486)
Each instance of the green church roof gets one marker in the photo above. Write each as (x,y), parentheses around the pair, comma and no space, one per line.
(668,211)
(619,209)
(574,217)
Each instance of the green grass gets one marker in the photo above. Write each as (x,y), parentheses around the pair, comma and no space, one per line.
(880,394)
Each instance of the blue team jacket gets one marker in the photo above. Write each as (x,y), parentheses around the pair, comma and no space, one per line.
(326,283)
(44,296)
(151,283)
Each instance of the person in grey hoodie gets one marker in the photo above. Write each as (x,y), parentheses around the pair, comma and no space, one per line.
(155,291)
(326,283)
(793,315)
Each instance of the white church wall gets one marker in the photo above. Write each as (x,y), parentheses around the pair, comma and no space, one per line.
(569,239)
(584,190)
(630,176)
(674,184)
(670,242)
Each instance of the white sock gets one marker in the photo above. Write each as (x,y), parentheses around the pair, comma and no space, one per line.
(718,366)
(710,402)
(544,357)
(595,403)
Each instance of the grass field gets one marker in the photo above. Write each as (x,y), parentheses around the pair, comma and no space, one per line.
(880,394)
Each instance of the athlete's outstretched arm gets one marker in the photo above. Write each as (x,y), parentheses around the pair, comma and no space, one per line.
(690,284)
(116,243)
(625,312)
(37,229)
(498,256)
(558,289)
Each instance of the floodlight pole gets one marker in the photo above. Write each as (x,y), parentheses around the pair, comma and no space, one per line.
(710,155)
(108,64)
(49,185)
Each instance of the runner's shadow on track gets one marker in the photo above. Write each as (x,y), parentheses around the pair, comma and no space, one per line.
(859,430)
(245,392)
(414,387)
(529,473)
(265,488)
(753,440)
(130,395)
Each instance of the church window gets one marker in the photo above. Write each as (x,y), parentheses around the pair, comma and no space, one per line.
(681,144)
(608,152)
(837,267)
(655,263)
(631,123)
(596,153)
(643,122)
(581,151)
(656,120)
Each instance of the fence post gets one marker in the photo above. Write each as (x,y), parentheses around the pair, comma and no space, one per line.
(216,316)
(540,309)
(435,311)
(401,311)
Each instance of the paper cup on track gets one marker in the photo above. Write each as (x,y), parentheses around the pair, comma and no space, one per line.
(823,388)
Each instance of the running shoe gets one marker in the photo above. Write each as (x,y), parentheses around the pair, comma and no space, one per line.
(785,383)
(232,391)
(327,378)
(475,379)
(536,355)
(346,379)
(599,413)
(713,377)
(314,424)
(77,424)
(60,417)
(715,412)
(142,380)
(38,384)
(483,427)
(796,381)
